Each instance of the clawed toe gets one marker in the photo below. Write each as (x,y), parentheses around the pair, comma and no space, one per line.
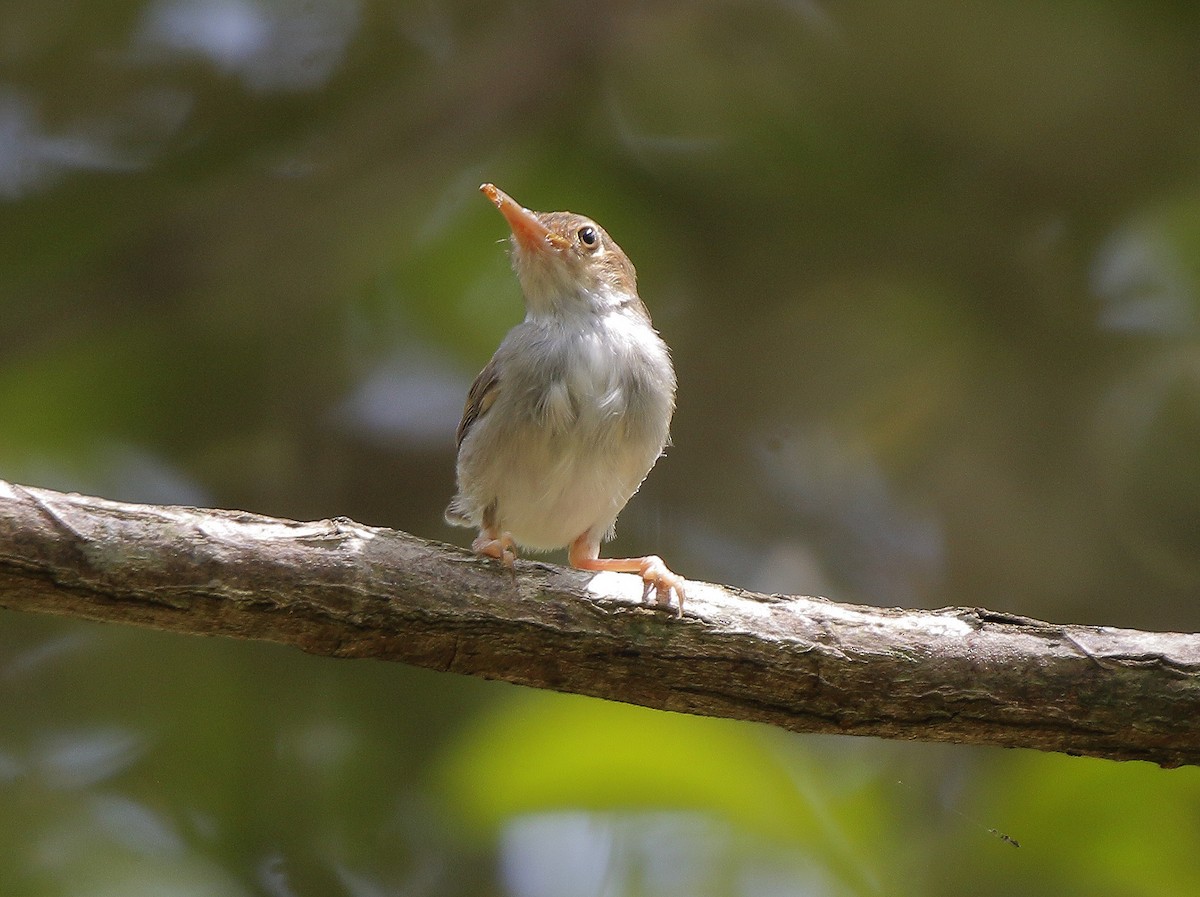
(502,549)
(657,577)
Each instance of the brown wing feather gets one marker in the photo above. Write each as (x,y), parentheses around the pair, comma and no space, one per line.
(482,394)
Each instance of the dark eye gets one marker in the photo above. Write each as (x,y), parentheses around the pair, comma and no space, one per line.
(588,236)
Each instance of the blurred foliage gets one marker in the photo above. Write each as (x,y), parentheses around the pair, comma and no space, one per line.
(929,272)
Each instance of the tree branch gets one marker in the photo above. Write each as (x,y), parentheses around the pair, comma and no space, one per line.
(338,588)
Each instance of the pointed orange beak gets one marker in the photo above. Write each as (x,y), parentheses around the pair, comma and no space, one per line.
(528,231)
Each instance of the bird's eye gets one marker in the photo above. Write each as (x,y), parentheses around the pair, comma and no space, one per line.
(588,236)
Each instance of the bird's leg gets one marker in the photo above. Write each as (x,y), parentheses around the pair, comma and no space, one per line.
(493,541)
(584,553)
(500,546)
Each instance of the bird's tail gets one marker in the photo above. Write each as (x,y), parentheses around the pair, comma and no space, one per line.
(458,513)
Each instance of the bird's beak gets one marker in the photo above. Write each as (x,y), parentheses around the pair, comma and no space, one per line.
(527,230)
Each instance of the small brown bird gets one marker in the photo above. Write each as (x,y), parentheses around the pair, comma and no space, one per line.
(566,420)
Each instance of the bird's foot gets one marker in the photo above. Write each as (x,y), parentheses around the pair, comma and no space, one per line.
(501,547)
(658,578)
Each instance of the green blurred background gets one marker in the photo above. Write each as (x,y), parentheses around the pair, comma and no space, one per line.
(930,273)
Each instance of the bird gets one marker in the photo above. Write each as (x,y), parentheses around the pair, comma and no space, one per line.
(564,423)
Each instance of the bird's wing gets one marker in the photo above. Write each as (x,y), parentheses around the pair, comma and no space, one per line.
(480,398)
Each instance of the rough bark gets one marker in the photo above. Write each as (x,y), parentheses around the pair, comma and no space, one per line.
(337,588)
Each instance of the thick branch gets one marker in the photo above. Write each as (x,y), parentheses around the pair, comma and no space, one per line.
(337,588)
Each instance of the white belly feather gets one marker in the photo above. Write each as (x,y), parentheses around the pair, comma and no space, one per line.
(581,431)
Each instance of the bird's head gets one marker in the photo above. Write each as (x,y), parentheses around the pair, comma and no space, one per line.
(567,264)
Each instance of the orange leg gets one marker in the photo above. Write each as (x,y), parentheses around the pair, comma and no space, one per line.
(584,553)
(501,547)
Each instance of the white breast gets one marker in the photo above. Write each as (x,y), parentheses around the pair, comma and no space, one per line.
(581,428)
